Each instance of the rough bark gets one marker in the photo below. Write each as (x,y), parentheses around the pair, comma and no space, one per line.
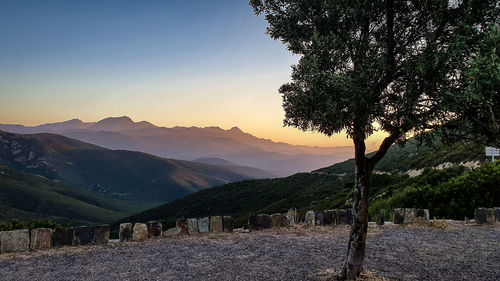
(357,238)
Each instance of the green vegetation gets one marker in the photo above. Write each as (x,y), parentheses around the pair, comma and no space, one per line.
(450,193)
(332,187)
(240,199)
(16,224)
(413,156)
(29,197)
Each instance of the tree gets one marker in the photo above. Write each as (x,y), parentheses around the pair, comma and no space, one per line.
(395,66)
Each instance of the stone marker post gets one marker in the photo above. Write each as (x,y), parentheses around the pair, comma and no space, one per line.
(41,239)
(216,224)
(63,236)
(276,220)
(140,232)
(14,241)
(193,226)
(399,216)
(204,225)
(154,229)
(83,235)
(310,219)
(329,217)
(263,221)
(101,234)
(381,217)
(125,232)
(228,223)
(182,225)
(320,218)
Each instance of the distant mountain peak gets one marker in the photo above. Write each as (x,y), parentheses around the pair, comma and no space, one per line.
(116,119)
(236,129)
(123,123)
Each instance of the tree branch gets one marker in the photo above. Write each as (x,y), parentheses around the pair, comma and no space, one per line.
(388,141)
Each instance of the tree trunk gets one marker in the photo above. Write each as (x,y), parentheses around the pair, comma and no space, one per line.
(357,239)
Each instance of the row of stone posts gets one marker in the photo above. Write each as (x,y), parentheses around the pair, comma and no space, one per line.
(327,217)
(45,238)
(153,229)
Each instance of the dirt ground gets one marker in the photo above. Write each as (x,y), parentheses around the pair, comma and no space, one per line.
(458,252)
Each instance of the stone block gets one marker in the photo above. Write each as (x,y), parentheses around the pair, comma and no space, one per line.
(228,223)
(140,232)
(154,229)
(263,221)
(422,214)
(182,225)
(381,217)
(410,215)
(344,216)
(284,220)
(496,211)
(484,215)
(84,235)
(63,236)
(310,218)
(41,238)
(399,216)
(291,217)
(320,218)
(204,225)
(171,232)
(253,222)
(216,224)
(329,216)
(193,226)
(276,220)
(101,234)
(14,241)
(126,231)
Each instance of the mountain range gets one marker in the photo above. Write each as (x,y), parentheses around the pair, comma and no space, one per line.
(117,174)
(192,143)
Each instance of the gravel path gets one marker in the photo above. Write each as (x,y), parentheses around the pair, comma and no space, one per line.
(464,252)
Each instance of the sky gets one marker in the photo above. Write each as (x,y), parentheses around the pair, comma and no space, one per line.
(170,62)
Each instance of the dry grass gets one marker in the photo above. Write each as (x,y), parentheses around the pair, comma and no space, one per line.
(334,275)
(304,230)
(422,223)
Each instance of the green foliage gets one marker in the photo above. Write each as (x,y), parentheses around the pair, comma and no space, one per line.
(16,224)
(414,156)
(483,92)
(450,193)
(400,64)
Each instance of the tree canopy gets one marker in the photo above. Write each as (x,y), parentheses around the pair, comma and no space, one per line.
(397,66)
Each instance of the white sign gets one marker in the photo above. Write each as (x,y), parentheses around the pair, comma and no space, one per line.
(492,151)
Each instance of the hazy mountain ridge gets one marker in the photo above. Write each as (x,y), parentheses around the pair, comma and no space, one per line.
(119,174)
(189,143)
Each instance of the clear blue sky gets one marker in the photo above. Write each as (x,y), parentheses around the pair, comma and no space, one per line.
(171,62)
